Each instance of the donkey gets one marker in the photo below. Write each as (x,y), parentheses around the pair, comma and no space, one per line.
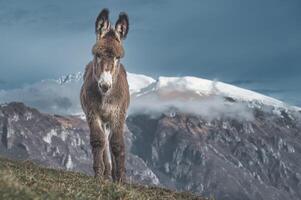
(105,97)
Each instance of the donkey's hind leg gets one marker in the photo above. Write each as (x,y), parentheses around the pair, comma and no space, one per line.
(98,143)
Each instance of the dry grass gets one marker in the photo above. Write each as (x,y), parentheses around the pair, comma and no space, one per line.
(25,180)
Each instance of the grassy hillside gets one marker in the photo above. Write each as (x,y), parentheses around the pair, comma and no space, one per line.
(25,180)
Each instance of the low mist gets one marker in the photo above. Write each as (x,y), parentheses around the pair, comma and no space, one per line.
(51,97)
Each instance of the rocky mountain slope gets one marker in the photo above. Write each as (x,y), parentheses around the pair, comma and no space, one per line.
(183,133)
(225,158)
(56,141)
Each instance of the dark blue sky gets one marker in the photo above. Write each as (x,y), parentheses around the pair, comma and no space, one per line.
(253,44)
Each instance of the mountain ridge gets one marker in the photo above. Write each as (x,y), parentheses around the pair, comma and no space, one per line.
(226,158)
(139,84)
(185,133)
(61,96)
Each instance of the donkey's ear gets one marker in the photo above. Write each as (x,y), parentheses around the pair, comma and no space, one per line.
(122,25)
(102,23)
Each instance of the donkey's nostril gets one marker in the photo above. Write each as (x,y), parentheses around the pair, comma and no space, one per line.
(105,88)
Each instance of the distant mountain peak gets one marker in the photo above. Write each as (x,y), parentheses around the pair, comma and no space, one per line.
(62,95)
(140,84)
(70,77)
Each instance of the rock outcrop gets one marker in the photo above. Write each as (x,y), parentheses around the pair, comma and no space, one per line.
(226,158)
(57,141)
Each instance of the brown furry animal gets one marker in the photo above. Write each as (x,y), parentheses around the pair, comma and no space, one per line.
(105,97)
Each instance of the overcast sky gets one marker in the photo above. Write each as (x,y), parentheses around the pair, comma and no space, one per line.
(252,44)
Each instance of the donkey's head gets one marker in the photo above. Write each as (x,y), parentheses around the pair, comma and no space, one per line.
(108,49)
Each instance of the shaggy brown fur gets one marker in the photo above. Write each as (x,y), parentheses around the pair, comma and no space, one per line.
(105,98)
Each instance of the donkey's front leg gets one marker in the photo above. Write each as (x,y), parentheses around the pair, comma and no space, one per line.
(118,151)
(98,142)
(107,153)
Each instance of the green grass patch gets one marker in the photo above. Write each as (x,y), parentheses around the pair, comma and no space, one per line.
(25,180)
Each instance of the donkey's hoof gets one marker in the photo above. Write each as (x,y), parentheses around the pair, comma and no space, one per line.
(107,178)
(98,175)
(120,180)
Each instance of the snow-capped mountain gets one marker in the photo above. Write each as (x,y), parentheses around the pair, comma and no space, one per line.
(204,87)
(70,78)
(185,133)
(137,82)
(166,92)
(140,85)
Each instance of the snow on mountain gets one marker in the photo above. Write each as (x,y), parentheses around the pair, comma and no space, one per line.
(240,145)
(139,85)
(204,87)
(62,95)
(70,77)
(137,82)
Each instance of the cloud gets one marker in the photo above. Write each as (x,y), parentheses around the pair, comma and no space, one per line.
(52,97)
(211,107)
(47,96)
(224,41)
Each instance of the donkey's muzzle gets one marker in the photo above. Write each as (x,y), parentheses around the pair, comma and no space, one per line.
(104,87)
